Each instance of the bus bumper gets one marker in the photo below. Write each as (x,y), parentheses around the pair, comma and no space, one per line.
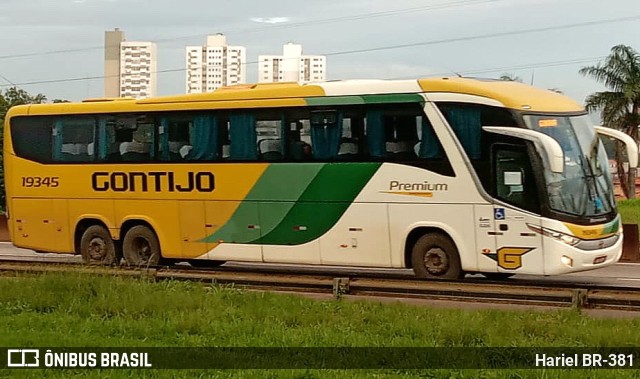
(564,259)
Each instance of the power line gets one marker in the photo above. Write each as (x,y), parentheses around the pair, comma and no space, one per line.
(7,80)
(564,62)
(278,26)
(382,48)
(484,36)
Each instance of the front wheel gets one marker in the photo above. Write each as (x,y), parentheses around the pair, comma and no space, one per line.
(435,256)
(140,247)
(97,247)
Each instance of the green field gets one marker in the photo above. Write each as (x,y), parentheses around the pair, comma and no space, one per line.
(630,211)
(90,310)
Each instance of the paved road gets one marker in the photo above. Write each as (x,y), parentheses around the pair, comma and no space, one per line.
(618,275)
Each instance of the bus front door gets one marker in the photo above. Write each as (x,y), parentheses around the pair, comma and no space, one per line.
(518,247)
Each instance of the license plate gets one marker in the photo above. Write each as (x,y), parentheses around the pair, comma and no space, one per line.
(599,259)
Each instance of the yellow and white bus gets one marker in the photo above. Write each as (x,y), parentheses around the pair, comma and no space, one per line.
(446,176)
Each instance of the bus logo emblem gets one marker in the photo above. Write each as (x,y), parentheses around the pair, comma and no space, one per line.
(509,258)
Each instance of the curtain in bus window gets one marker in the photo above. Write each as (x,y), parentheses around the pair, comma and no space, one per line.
(467,126)
(429,146)
(375,133)
(243,137)
(105,137)
(163,139)
(57,140)
(334,134)
(325,139)
(204,138)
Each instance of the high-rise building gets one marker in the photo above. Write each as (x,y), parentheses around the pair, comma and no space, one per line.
(214,65)
(291,66)
(129,67)
(112,41)
(138,66)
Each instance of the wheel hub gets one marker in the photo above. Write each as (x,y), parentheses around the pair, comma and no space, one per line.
(436,261)
(97,248)
(143,249)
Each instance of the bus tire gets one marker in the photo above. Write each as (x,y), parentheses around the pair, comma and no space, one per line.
(140,247)
(435,256)
(97,247)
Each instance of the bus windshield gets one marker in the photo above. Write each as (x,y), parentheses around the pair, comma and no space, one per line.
(584,188)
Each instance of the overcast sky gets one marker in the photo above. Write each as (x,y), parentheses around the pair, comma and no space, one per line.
(546,41)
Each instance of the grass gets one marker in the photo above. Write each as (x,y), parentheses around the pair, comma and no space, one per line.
(630,211)
(82,310)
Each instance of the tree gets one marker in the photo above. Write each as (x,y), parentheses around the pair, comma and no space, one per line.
(14,96)
(510,78)
(9,98)
(620,105)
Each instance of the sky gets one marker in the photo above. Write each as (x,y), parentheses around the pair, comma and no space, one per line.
(56,47)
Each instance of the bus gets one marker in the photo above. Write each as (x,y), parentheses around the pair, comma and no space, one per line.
(445,176)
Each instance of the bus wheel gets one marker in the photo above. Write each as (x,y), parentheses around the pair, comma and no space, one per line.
(435,256)
(97,247)
(205,263)
(497,275)
(140,247)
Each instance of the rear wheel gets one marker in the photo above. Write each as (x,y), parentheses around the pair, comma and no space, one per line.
(140,247)
(435,256)
(97,247)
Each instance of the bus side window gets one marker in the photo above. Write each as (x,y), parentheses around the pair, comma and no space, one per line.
(325,134)
(270,141)
(242,135)
(400,137)
(466,121)
(32,138)
(137,141)
(428,145)
(188,137)
(127,137)
(351,147)
(392,133)
(404,134)
(298,135)
(73,139)
(224,141)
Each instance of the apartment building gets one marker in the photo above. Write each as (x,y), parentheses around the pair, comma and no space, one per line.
(130,67)
(138,69)
(214,65)
(112,41)
(291,66)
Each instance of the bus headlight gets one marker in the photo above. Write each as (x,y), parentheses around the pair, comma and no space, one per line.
(566,238)
(567,261)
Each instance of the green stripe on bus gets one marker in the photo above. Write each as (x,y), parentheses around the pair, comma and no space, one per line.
(275,193)
(393,98)
(322,204)
(612,227)
(334,100)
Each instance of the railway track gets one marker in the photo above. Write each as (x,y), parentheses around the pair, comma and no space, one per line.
(555,295)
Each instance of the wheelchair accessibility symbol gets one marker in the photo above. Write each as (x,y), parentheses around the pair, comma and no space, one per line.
(498,213)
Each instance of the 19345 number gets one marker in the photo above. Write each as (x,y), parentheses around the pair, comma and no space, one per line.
(40,181)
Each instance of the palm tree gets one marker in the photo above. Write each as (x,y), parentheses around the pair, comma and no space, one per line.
(620,105)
